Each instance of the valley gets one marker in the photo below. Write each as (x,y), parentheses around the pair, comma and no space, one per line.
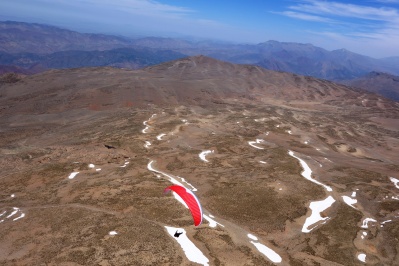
(290,170)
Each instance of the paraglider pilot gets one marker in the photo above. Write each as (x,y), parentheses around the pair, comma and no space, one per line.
(177,234)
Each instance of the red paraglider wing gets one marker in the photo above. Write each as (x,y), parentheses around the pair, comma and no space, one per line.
(191,200)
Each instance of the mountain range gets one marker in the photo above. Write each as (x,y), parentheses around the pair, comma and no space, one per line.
(35,48)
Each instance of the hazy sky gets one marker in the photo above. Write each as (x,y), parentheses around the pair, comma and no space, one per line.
(369,27)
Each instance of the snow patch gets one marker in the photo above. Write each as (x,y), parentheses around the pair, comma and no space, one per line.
(366,221)
(72,175)
(361,257)
(395,181)
(317,207)
(349,201)
(364,234)
(147,144)
(126,163)
(203,154)
(193,253)
(112,233)
(145,130)
(159,137)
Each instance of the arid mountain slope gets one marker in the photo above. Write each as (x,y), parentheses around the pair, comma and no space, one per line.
(381,83)
(290,170)
(193,80)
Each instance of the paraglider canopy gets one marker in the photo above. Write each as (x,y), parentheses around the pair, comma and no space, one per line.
(191,201)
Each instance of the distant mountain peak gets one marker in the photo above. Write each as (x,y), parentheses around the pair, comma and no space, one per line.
(379,74)
(278,43)
(190,64)
(342,51)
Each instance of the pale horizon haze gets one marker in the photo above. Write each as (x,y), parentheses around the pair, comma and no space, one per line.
(369,27)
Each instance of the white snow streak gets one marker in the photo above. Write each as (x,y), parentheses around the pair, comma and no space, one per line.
(184,180)
(395,181)
(203,154)
(22,215)
(159,137)
(171,178)
(126,163)
(147,144)
(212,223)
(251,236)
(72,175)
(13,213)
(307,172)
(258,141)
(387,221)
(366,221)
(145,130)
(269,253)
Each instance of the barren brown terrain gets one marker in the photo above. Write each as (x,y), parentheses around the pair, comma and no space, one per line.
(86,154)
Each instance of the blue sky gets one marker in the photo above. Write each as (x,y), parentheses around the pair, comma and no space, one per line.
(369,27)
